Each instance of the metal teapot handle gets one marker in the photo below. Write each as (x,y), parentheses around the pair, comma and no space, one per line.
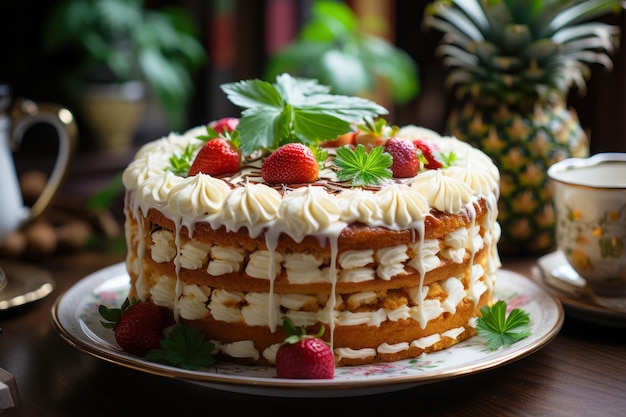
(25,114)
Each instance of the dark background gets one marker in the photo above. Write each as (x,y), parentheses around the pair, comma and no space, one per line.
(37,75)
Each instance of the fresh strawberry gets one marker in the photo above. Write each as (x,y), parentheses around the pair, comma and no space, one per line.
(227,124)
(290,164)
(216,157)
(428,150)
(304,356)
(405,163)
(137,325)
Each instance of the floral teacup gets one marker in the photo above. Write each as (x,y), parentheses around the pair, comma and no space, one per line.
(590,205)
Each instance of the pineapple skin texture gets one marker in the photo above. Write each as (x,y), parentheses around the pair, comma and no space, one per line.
(523,144)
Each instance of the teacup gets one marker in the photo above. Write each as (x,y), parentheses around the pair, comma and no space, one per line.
(590,206)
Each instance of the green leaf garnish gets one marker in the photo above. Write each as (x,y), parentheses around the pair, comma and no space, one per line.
(180,164)
(378,127)
(185,347)
(361,167)
(293,109)
(447,160)
(320,154)
(500,330)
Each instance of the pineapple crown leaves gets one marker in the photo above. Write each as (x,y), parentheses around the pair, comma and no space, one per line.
(293,110)
(112,315)
(295,334)
(514,48)
(361,167)
(185,347)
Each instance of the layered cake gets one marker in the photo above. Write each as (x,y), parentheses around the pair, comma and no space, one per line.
(391,265)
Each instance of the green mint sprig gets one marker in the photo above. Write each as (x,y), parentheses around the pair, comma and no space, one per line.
(185,347)
(500,330)
(293,109)
(447,159)
(361,167)
(180,163)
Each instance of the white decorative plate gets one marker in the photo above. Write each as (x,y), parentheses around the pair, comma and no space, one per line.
(75,317)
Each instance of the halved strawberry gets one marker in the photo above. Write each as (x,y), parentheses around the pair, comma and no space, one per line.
(429,151)
(226,124)
(137,325)
(304,356)
(216,157)
(292,163)
(405,163)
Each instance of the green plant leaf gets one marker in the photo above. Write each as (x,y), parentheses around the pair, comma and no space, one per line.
(293,109)
(132,41)
(180,164)
(500,330)
(361,167)
(336,48)
(185,347)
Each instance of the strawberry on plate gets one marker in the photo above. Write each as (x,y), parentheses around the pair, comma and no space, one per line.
(304,356)
(137,325)
(292,163)
(404,153)
(216,157)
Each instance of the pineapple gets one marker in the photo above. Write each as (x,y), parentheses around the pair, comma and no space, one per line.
(511,65)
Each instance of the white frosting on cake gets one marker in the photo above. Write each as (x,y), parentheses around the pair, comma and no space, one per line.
(307,210)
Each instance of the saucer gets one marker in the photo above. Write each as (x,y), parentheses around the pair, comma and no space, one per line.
(558,277)
(23,283)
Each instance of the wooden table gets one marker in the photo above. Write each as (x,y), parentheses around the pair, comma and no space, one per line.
(582,372)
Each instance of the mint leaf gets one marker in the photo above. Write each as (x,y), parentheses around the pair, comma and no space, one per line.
(180,164)
(293,109)
(447,160)
(498,329)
